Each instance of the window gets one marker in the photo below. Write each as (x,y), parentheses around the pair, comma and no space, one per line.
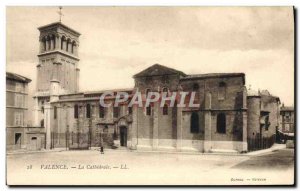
(116,112)
(42,123)
(105,129)
(165,109)
(267,123)
(101,111)
(20,87)
(49,43)
(44,44)
(195,87)
(54,41)
(18,138)
(42,109)
(62,42)
(221,123)
(76,111)
(222,91)
(19,102)
(18,121)
(194,123)
(165,89)
(148,110)
(55,112)
(88,110)
(129,110)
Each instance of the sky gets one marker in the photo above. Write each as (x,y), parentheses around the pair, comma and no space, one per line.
(118,42)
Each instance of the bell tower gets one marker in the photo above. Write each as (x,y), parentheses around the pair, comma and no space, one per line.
(57,68)
(58,59)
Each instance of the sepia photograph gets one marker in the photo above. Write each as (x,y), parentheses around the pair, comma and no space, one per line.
(150,95)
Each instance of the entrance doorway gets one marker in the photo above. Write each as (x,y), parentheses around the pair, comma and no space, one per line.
(33,143)
(18,140)
(123,136)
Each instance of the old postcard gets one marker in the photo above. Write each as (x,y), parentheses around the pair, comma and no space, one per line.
(150,96)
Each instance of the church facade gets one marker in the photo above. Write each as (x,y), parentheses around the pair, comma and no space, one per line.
(226,118)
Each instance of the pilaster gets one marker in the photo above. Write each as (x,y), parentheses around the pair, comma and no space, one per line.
(47,119)
(155,125)
(207,121)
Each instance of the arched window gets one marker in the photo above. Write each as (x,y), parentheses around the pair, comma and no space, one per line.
(165,89)
(195,87)
(49,43)
(116,112)
(55,112)
(76,111)
(73,46)
(54,41)
(88,110)
(222,91)
(194,123)
(44,44)
(148,110)
(42,123)
(221,123)
(101,111)
(63,39)
(165,109)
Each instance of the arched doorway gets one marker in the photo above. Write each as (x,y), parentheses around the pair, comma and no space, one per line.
(123,136)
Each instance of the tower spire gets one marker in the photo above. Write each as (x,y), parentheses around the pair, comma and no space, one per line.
(60,13)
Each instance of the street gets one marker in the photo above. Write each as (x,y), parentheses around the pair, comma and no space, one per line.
(89,167)
(277,160)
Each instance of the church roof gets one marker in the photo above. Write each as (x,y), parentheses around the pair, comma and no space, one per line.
(158,70)
(17,77)
(213,75)
(109,90)
(58,24)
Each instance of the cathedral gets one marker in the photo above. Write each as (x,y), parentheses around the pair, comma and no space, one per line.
(228,117)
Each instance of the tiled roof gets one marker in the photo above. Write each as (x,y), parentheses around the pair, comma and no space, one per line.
(212,75)
(111,90)
(17,77)
(158,70)
(61,24)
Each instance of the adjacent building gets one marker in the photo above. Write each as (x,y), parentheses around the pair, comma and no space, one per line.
(286,119)
(16,110)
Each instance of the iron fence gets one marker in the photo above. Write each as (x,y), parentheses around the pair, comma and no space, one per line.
(258,143)
(71,140)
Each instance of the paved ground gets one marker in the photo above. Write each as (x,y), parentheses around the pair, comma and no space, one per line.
(124,167)
(276,160)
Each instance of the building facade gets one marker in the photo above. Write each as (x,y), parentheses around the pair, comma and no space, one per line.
(287,119)
(224,120)
(16,110)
